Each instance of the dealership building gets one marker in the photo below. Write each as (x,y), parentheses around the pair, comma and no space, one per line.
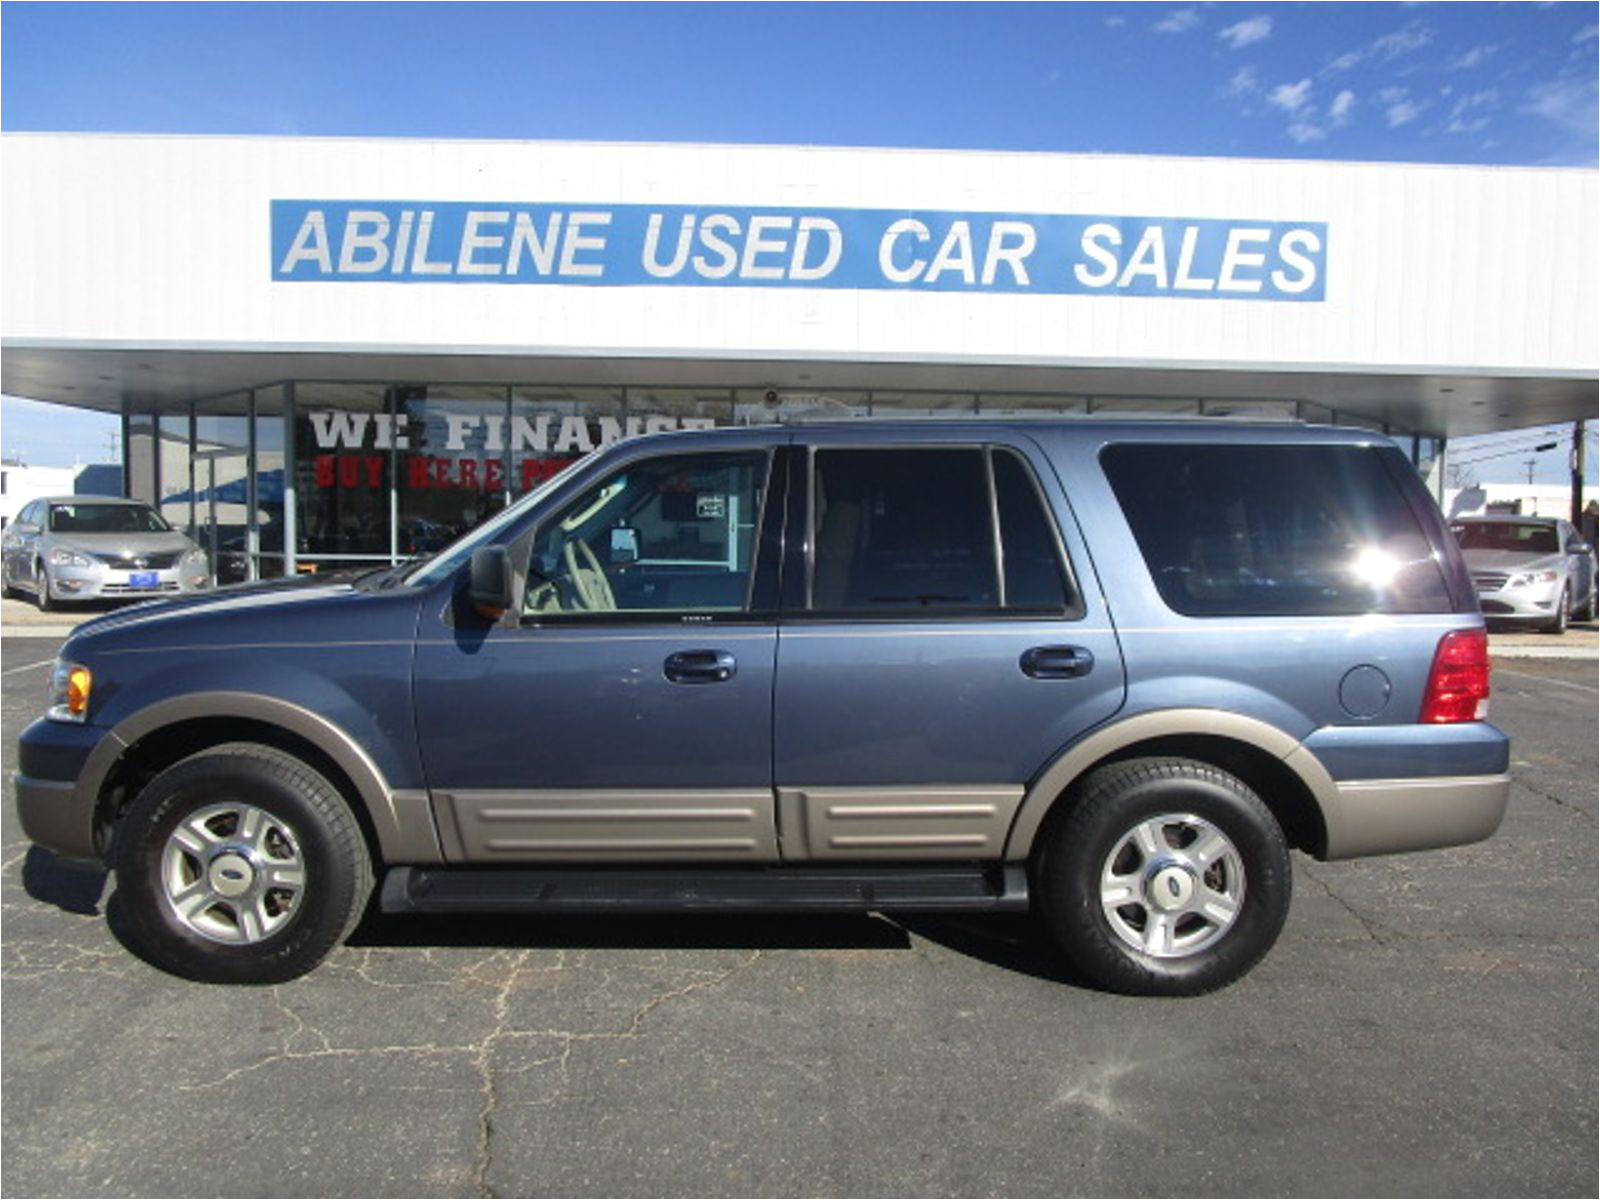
(326,351)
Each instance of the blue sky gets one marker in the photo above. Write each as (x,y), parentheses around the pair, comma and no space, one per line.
(1456,83)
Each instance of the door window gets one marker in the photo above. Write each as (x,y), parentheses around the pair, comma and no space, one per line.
(914,530)
(675,534)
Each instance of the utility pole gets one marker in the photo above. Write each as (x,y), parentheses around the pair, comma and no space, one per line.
(1578,432)
(1530,464)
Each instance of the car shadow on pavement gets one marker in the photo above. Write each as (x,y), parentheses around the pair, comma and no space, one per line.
(1011,941)
(72,889)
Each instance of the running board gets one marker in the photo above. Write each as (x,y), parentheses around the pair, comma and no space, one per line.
(709,890)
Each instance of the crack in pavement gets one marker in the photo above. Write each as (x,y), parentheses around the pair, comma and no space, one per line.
(502,972)
(1522,782)
(1372,927)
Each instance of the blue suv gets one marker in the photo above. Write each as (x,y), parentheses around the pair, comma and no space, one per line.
(1108,672)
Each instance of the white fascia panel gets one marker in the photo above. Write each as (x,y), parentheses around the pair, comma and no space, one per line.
(167,240)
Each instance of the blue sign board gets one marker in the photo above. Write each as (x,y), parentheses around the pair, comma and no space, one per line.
(636,245)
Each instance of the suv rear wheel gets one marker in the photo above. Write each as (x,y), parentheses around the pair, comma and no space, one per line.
(1167,877)
(241,865)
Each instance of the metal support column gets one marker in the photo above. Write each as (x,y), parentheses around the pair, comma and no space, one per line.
(291,513)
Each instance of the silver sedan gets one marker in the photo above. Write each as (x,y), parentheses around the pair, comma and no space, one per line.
(72,548)
(1535,569)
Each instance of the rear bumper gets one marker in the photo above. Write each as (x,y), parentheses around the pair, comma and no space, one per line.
(1387,816)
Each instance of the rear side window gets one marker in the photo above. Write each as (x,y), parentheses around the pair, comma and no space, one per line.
(1275,530)
(911,529)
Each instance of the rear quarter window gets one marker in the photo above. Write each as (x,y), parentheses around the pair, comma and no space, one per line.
(1274,530)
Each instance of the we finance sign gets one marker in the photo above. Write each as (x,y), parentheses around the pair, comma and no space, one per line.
(391,241)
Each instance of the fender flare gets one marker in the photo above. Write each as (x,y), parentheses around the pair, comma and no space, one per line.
(402,819)
(1068,766)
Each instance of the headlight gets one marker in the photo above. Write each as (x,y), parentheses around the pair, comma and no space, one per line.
(195,568)
(63,557)
(69,692)
(1530,578)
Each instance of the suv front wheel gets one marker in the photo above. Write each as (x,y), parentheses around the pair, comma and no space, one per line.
(1166,877)
(241,865)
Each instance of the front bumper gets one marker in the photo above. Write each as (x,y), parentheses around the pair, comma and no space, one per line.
(55,812)
(68,583)
(1531,602)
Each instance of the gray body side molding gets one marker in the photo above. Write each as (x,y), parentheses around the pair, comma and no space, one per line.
(403,820)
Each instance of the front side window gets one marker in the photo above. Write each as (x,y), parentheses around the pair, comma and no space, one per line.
(675,534)
(917,530)
(1272,530)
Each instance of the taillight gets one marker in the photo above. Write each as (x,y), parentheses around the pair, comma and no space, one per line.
(1458,684)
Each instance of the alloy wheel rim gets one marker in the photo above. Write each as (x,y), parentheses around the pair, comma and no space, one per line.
(1172,886)
(233,873)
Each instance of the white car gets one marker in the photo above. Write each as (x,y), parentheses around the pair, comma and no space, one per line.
(1536,569)
(72,548)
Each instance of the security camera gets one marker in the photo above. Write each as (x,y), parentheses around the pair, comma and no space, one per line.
(771,398)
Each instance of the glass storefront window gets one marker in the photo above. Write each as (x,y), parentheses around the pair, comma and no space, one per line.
(758,406)
(221,490)
(176,471)
(553,427)
(1142,406)
(344,459)
(925,404)
(1026,405)
(452,447)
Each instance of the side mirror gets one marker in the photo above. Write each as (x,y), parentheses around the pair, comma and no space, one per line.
(491,582)
(1579,547)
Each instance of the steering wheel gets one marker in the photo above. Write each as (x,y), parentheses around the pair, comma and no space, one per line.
(588,580)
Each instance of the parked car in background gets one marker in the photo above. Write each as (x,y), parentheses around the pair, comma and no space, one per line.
(74,548)
(1529,569)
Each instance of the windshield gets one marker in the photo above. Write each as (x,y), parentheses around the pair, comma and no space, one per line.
(105,518)
(1520,537)
(446,562)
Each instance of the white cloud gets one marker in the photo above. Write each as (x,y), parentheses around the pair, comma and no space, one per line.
(1392,95)
(1115,22)
(1342,106)
(1244,82)
(1402,41)
(1587,34)
(1344,62)
(1569,103)
(1291,97)
(1179,20)
(1403,113)
(1468,59)
(1306,131)
(1244,33)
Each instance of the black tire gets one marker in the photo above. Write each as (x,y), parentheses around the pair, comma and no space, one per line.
(1558,623)
(41,589)
(1098,834)
(286,819)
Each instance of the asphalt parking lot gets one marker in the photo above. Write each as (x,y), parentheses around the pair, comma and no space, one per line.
(1425,1026)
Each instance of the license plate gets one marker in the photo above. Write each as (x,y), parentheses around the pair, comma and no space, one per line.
(144,579)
